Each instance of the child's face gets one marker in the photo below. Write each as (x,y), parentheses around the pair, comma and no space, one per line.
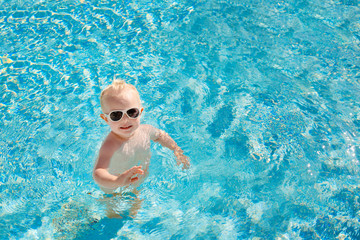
(127,99)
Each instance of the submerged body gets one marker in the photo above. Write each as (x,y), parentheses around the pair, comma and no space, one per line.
(124,157)
(132,152)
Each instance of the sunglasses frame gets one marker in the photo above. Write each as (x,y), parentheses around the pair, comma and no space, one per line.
(123,113)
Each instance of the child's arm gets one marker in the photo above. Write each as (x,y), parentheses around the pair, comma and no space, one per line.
(101,174)
(166,141)
(107,180)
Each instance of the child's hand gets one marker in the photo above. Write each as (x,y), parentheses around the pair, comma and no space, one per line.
(181,158)
(129,176)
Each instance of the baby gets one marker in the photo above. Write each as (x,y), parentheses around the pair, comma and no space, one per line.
(124,157)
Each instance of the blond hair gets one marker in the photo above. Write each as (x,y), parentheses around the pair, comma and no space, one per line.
(116,87)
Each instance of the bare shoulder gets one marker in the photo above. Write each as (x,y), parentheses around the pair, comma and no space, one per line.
(152,131)
(148,127)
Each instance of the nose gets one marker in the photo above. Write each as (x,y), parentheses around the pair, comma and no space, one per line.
(125,118)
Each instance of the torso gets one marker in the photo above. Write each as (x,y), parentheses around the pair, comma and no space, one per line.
(135,151)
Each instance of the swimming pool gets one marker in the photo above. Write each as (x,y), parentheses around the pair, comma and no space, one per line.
(263,96)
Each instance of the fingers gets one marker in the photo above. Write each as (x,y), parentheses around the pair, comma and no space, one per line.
(183,160)
(135,170)
(130,177)
(186,164)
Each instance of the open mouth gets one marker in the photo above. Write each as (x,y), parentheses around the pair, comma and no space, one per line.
(126,127)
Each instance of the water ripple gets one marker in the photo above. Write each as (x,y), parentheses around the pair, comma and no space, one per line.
(262,96)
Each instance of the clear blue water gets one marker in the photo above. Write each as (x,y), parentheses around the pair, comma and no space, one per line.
(263,96)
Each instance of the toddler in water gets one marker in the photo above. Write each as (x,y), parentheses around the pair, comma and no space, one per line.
(124,157)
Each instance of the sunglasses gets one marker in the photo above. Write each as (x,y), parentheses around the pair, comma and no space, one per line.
(117,115)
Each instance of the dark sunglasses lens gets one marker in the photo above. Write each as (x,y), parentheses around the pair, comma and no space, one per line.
(133,112)
(116,116)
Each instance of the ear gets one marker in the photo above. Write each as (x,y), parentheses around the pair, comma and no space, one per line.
(104,117)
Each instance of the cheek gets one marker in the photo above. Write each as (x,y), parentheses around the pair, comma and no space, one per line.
(137,121)
(113,125)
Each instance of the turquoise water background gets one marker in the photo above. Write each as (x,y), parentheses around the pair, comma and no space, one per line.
(263,96)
